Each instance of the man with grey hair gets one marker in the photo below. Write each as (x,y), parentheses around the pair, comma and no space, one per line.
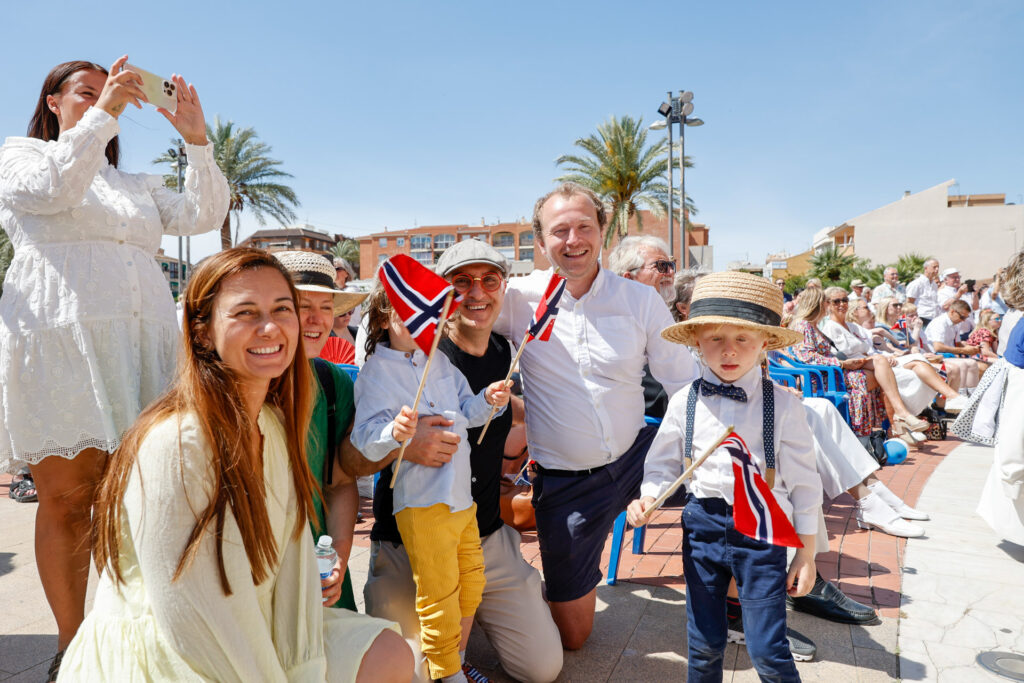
(584,400)
(891,287)
(923,292)
(645,258)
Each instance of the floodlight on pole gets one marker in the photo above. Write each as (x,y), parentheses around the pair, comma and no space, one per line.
(677,110)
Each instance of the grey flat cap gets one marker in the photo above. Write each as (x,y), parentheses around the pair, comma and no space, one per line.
(469,252)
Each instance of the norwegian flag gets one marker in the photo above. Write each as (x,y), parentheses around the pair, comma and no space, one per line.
(417,295)
(900,324)
(755,511)
(547,309)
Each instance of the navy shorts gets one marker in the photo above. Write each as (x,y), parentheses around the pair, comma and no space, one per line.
(575,515)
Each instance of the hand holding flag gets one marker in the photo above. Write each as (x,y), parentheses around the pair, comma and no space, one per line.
(540,329)
(423,300)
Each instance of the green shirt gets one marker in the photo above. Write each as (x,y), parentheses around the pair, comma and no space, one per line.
(316,452)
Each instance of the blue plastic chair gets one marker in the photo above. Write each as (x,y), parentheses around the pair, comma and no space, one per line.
(619,533)
(830,382)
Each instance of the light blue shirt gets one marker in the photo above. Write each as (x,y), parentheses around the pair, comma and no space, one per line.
(389,380)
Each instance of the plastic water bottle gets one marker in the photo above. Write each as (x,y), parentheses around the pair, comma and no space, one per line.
(326,556)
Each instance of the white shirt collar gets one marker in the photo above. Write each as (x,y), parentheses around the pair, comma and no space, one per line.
(749,382)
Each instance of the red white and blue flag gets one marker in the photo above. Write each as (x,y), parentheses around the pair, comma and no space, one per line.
(417,295)
(547,309)
(901,324)
(755,511)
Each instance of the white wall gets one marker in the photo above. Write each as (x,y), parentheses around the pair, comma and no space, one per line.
(975,239)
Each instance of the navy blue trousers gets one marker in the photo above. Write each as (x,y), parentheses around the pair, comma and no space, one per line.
(714,552)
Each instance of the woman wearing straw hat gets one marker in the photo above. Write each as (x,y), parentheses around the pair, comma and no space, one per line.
(734,318)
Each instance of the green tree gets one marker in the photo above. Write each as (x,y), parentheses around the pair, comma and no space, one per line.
(863,270)
(252,177)
(830,264)
(348,249)
(626,173)
(909,266)
(6,256)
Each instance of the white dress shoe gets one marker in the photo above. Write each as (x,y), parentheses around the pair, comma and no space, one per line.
(897,504)
(875,513)
(955,405)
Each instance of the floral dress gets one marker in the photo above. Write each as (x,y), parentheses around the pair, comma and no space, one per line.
(866,408)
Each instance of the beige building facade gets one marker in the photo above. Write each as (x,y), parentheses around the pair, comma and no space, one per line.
(975,233)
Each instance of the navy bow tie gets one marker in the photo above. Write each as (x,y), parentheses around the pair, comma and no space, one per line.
(711,389)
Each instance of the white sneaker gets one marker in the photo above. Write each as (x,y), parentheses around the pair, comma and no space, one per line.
(955,405)
(894,501)
(875,513)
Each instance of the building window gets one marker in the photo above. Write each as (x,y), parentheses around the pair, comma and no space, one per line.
(382,242)
(420,249)
(381,258)
(442,242)
(525,254)
(399,241)
(526,238)
(504,239)
(419,242)
(424,257)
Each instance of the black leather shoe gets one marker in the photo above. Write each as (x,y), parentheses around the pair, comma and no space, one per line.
(828,602)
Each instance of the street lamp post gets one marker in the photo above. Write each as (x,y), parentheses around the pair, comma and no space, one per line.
(179,161)
(677,110)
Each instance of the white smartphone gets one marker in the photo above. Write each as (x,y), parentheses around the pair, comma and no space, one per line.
(161,92)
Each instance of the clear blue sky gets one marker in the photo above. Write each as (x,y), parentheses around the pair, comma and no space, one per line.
(402,113)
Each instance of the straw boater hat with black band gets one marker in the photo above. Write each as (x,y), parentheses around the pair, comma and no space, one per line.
(314,273)
(733,298)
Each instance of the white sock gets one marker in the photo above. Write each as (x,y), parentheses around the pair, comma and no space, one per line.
(462,656)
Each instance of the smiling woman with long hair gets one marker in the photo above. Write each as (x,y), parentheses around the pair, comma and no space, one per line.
(207,572)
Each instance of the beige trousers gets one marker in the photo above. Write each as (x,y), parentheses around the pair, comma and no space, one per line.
(513,614)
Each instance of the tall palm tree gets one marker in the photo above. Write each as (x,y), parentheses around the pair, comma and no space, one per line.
(347,249)
(251,175)
(626,173)
(909,266)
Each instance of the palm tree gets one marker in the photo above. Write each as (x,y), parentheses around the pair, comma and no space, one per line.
(251,175)
(347,249)
(830,264)
(623,171)
(909,266)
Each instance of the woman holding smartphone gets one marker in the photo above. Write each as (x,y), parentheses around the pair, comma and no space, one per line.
(88,335)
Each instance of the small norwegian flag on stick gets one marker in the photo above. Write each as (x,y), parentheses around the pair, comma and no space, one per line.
(423,301)
(540,329)
(755,511)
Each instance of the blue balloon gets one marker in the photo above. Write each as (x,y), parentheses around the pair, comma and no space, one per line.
(896,451)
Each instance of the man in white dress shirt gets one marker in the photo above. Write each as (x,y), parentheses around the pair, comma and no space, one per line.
(584,400)
(923,292)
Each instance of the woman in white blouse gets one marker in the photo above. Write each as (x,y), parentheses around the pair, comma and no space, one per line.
(915,381)
(87,325)
(207,570)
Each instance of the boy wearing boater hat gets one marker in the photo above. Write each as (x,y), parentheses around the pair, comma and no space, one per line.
(734,319)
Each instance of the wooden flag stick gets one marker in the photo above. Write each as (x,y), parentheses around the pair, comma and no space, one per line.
(683,477)
(511,369)
(423,380)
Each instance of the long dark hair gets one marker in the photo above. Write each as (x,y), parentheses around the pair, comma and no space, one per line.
(204,386)
(44,124)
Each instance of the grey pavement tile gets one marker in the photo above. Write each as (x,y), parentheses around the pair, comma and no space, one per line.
(880,636)
(876,665)
(26,648)
(657,647)
(917,667)
(33,675)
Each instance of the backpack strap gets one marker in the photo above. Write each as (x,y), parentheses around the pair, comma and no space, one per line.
(326,378)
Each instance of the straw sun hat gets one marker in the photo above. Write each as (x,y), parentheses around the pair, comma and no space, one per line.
(732,298)
(314,273)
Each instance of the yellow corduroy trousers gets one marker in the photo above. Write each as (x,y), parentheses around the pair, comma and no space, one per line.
(448,568)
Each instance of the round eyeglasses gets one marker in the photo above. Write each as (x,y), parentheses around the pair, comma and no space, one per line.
(490,282)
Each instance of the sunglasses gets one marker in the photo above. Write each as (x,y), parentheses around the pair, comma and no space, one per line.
(664,266)
(491,282)
(844,300)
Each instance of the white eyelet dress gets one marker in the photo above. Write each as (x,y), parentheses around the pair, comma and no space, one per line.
(88,334)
